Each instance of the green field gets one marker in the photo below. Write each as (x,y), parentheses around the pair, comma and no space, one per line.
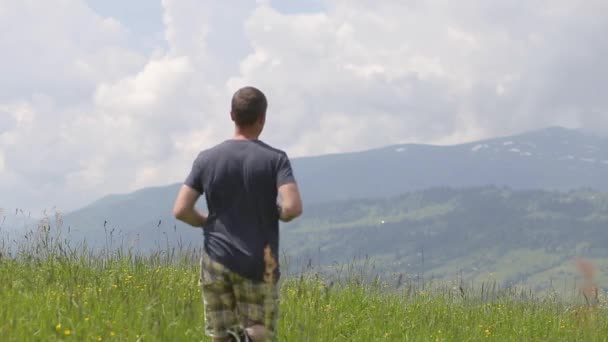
(74,295)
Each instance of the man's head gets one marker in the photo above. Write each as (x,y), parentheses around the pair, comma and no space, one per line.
(249,106)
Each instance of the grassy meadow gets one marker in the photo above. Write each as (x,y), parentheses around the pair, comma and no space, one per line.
(52,293)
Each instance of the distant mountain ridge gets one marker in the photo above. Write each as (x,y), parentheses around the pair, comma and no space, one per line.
(550,159)
(554,158)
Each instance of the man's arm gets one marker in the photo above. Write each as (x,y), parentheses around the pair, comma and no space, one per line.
(291,202)
(184,208)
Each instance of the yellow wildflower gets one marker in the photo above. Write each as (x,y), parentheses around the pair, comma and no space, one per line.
(58,326)
(67,332)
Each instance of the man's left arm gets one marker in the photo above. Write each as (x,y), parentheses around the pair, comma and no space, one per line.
(184,208)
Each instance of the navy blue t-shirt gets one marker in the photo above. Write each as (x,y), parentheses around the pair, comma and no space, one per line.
(239,179)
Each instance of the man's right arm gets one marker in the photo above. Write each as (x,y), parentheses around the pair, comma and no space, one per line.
(291,202)
(184,207)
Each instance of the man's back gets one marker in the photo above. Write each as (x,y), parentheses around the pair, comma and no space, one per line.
(239,178)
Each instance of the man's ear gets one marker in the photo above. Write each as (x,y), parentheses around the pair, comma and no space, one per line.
(263,119)
(232,116)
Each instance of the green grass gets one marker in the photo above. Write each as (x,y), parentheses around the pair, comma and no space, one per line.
(49,293)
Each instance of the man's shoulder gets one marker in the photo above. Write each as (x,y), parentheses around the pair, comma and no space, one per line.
(257,147)
(270,149)
(217,148)
(208,153)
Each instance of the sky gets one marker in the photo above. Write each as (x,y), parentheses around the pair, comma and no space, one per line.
(109,96)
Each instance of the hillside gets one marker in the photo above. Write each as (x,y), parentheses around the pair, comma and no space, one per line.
(514,236)
(526,236)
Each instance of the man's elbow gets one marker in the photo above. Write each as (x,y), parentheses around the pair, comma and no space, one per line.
(179,213)
(297,211)
(292,212)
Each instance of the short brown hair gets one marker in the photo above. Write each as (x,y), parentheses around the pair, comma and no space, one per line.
(248,105)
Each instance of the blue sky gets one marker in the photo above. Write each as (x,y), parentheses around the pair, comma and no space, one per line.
(143,17)
(107,96)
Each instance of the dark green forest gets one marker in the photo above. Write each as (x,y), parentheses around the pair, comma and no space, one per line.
(514,237)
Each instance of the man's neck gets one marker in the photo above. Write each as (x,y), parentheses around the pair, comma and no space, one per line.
(244,134)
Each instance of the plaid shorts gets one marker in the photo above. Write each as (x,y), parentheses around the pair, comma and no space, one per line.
(233,302)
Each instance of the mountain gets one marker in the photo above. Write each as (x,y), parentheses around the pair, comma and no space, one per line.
(523,236)
(554,159)
(469,234)
(142,219)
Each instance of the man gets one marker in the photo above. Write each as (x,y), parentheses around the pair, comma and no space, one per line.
(242,179)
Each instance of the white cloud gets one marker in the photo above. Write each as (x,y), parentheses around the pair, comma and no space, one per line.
(85,113)
(59,48)
(151,87)
(431,70)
